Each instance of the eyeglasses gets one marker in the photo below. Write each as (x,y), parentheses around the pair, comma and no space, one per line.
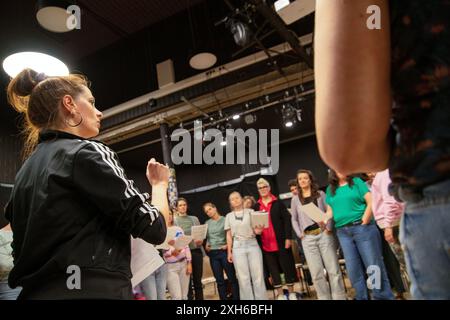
(263,187)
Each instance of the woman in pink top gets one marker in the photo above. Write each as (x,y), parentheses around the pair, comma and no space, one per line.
(179,265)
(387,212)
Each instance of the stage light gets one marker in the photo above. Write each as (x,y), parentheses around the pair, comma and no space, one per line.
(250,118)
(242,34)
(289,115)
(39,62)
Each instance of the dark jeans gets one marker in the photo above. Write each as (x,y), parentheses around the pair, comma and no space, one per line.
(392,265)
(282,258)
(219,264)
(197,273)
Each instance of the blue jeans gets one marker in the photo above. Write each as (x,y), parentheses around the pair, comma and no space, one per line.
(425,238)
(361,245)
(219,264)
(154,286)
(6,293)
(248,263)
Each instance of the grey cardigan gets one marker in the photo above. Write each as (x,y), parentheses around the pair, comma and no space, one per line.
(300,221)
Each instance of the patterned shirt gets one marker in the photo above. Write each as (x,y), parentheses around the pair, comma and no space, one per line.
(420,80)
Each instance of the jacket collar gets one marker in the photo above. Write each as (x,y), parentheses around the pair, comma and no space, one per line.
(273,198)
(55,134)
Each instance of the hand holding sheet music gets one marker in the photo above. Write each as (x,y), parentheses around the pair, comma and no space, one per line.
(171,233)
(182,241)
(145,260)
(260,218)
(199,232)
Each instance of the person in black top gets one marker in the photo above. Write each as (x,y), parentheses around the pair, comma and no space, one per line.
(72,209)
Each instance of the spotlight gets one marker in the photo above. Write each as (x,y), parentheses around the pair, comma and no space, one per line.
(289,115)
(289,124)
(240,30)
(236,116)
(250,118)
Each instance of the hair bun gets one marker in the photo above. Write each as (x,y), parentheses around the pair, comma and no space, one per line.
(26,80)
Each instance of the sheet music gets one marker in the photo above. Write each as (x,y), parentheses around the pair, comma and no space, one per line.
(260,218)
(313,212)
(199,232)
(171,233)
(145,259)
(182,242)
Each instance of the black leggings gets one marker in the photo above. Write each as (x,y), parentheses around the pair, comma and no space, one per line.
(278,262)
(197,273)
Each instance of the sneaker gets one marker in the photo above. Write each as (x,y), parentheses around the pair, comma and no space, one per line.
(281,297)
(293,296)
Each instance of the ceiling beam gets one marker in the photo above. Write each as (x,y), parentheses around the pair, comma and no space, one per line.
(279,25)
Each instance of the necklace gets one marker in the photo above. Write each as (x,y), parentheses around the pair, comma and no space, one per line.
(241,218)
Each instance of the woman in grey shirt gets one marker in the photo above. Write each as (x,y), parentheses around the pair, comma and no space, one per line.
(318,243)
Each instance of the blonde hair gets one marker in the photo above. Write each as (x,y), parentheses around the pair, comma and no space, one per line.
(38,97)
(262,182)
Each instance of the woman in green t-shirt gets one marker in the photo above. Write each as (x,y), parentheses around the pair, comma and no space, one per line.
(216,247)
(349,203)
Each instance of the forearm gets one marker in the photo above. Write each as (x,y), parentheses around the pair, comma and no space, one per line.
(229,242)
(352,75)
(368,213)
(159,200)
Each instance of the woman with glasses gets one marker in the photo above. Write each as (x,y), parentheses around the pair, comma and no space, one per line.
(276,240)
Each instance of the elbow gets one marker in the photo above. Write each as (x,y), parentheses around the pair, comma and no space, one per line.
(348,156)
(156,232)
(159,239)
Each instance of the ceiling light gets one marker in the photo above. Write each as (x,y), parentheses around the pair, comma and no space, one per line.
(203,60)
(55,16)
(236,116)
(39,62)
(250,118)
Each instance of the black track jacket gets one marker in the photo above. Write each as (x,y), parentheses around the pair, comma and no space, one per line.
(73,207)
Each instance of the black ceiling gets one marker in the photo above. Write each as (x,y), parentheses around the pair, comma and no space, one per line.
(121,41)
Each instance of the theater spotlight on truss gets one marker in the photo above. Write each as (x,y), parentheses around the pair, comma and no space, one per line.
(242,34)
(289,115)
